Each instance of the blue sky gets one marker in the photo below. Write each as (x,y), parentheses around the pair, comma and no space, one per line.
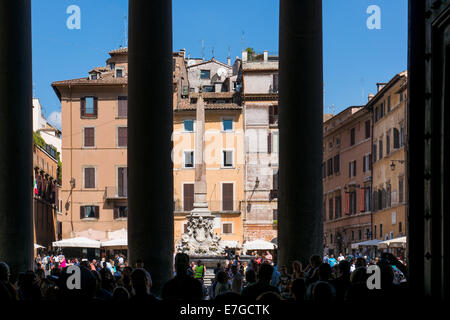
(355,58)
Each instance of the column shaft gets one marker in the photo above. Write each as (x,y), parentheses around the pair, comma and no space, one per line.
(150,125)
(300,224)
(16,175)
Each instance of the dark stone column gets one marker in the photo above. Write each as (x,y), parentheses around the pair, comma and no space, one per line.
(150,125)
(300,226)
(16,173)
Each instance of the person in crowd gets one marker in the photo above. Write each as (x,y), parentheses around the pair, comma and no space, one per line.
(325,258)
(7,290)
(125,279)
(275,276)
(120,294)
(218,268)
(100,292)
(236,280)
(323,276)
(360,262)
(297,289)
(332,261)
(182,286)
(199,271)
(269,257)
(283,282)
(253,291)
(342,281)
(28,288)
(358,291)
(297,269)
(250,278)
(222,284)
(141,284)
(341,257)
(310,272)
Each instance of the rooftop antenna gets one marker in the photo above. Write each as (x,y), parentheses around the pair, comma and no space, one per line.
(125,33)
(203,49)
(229,52)
(212,50)
(242,40)
(332,109)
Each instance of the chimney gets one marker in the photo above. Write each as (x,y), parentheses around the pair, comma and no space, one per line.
(183,53)
(266,55)
(229,61)
(380,86)
(244,56)
(371,96)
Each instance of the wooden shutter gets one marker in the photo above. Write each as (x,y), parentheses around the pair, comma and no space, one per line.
(83,107)
(82,214)
(363,200)
(350,169)
(337,163)
(269,143)
(370,161)
(122,107)
(122,136)
(354,168)
(96,212)
(396,138)
(271,115)
(347,203)
(367,128)
(89,137)
(116,212)
(89,177)
(227,197)
(188,195)
(95,106)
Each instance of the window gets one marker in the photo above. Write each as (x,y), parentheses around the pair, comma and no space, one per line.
(353,235)
(188,125)
(367,193)
(352,169)
(375,231)
(227,196)
(352,136)
(367,127)
(388,143)
(227,124)
(89,137)
(189,159)
(396,138)
(376,114)
(394,217)
(331,238)
(382,110)
(274,138)
(337,163)
(122,139)
(366,163)
(400,227)
(273,114)
(112,66)
(400,190)
(330,208)
(122,182)
(275,179)
(330,167)
(119,73)
(381,230)
(120,212)
(275,83)
(89,212)
(227,228)
(359,234)
(337,206)
(374,151)
(208,89)
(389,104)
(122,107)
(188,196)
(93,76)
(89,107)
(352,202)
(275,214)
(205,74)
(228,158)
(89,178)
(380,147)
(402,136)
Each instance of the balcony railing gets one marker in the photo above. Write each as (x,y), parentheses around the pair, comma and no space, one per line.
(115,193)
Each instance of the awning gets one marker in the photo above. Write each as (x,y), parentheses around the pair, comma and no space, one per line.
(393,243)
(38,246)
(259,245)
(121,243)
(79,242)
(368,243)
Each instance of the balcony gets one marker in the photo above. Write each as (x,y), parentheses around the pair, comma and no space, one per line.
(115,193)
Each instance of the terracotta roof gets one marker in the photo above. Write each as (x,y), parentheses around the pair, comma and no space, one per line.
(99,69)
(209,61)
(217,106)
(87,81)
(212,95)
(118,51)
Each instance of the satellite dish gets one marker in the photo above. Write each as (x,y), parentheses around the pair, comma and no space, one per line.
(221,72)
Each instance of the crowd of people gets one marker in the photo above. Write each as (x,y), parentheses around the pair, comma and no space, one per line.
(261,279)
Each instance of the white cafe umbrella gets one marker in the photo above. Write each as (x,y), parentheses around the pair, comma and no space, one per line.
(38,246)
(79,242)
(229,243)
(116,243)
(259,244)
(368,243)
(393,243)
